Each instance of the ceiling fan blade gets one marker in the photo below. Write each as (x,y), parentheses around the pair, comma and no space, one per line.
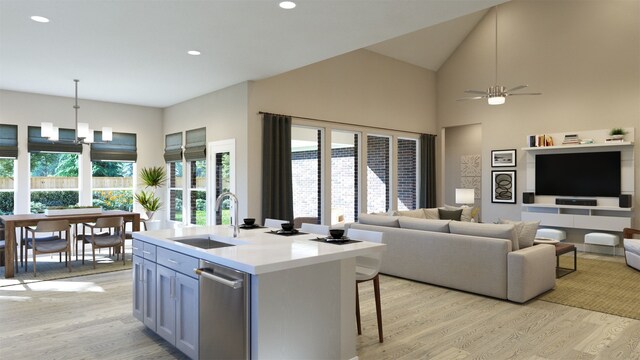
(525,94)
(475,92)
(471,98)
(517,88)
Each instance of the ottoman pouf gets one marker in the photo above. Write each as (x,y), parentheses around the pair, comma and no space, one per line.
(602,239)
(553,234)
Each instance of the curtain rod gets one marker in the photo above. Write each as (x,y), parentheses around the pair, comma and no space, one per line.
(344,123)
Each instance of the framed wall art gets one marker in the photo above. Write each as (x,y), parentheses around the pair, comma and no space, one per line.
(503,158)
(503,186)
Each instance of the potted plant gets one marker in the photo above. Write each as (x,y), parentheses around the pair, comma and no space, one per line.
(617,133)
(152,178)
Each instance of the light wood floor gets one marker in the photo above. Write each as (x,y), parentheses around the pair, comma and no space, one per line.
(90,318)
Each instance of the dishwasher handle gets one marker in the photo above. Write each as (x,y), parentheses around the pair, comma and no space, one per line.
(237,284)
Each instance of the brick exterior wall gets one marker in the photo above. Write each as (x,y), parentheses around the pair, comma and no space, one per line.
(378,173)
(344,181)
(305,183)
(407,155)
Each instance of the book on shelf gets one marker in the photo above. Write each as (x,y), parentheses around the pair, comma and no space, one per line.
(571,139)
(539,140)
(612,140)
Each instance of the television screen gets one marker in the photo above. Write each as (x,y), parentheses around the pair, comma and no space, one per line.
(578,174)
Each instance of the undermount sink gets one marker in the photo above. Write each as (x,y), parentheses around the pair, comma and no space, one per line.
(202,242)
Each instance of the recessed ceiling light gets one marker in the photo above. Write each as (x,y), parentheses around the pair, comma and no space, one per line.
(193,52)
(287,5)
(40,19)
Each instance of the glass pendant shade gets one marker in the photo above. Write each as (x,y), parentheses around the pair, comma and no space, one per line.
(89,138)
(46,128)
(107,134)
(53,136)
(83,130)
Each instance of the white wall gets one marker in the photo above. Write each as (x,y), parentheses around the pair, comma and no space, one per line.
(26,109)
(361,88)
(584,56)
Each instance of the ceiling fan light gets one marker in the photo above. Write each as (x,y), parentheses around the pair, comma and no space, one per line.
(107,134)
(46,129)
(496,100)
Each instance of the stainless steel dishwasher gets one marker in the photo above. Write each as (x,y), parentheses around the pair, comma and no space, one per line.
(224,312)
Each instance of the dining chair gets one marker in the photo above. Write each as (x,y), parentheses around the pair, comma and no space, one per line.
(106,232)
(367,268)
(52,244)
(315,229)
(274,223)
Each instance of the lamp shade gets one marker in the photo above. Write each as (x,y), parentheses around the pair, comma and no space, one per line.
(465,196)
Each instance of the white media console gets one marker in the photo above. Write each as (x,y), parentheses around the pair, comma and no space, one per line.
(607,215)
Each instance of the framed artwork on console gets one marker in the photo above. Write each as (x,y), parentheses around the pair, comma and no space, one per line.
(503,186)
(503,158)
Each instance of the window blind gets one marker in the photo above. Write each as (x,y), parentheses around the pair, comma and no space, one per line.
(196,144)
(173,147)
(37,143)
(121,148)
(8,141)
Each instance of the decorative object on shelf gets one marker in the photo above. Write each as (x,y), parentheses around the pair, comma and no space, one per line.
(541,140)
(84,135)
(496,94)
(503,186)
(571,139)
(152,177)
(503,158)
(73,210)
(617,135)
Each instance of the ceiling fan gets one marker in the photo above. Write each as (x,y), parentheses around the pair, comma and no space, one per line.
(496,94)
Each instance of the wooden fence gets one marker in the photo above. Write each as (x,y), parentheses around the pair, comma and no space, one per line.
(48,182)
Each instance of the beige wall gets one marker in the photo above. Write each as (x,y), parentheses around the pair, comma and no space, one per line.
(360,87)
(224,114)
(584,56)
(26,109)
(459,141)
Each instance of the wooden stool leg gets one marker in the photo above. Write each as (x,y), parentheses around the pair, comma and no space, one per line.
(376,289)
(358,311)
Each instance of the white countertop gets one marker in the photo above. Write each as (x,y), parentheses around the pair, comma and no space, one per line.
(257,251)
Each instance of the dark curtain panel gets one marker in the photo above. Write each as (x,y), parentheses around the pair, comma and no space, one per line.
(277,191)
(427,171)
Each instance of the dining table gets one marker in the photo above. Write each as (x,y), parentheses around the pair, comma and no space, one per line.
(13,222)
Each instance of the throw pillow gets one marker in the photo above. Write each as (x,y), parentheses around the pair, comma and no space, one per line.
(526,231)
(368,219)
(500,231)
(418,213)
(449,214)
(466,211)
(424,224)
(431,213)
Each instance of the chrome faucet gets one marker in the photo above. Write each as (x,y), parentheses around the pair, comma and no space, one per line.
(236,227)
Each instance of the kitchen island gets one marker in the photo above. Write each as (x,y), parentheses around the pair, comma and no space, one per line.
(301,293)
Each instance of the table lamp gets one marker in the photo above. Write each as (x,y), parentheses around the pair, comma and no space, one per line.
(465,197)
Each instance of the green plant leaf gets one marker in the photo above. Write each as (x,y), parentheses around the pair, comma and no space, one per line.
(154,176)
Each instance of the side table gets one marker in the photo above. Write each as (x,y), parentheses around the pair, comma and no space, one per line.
(563,248)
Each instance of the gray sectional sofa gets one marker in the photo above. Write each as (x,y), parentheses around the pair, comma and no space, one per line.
(467,256)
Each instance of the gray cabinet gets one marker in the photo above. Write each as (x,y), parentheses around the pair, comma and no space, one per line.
(144,283)
(177,301)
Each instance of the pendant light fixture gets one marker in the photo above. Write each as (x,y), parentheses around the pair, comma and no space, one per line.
(84,134)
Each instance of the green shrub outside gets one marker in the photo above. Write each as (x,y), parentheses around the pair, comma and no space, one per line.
(6,202)
(40,200)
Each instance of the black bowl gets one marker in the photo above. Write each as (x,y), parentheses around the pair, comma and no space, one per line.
(249,221)
(336,233)
(287,226)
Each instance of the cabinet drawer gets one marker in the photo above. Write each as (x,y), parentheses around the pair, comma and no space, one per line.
(178,262)
(137,247)
(149,251)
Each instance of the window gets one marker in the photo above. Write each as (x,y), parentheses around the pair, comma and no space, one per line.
(112,184)
(344,176)
(198,192)
(175,190)
(54,180)
(407,173)
(378,173)
(7,186)
(306,169)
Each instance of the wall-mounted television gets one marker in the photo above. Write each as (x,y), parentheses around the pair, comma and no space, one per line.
(579,174)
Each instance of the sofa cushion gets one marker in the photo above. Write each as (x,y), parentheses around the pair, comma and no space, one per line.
(424,224)
(449,214)
(466,211)
(418,213)
(431,213)
(390,221)
(525,231)
(501,231)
